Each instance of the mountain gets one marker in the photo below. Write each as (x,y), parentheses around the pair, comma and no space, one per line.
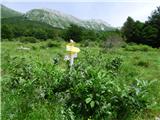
(61,20)
(56,19)
(7,12)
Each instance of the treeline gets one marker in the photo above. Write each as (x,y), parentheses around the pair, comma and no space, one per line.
(143,33)
(21,27)
(80,34)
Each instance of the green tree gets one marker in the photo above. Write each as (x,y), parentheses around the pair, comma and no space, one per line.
(74,32)
(6,32)
(89,35)
(137,35)
(154,21)
(127,29)
(19,31)
(150,35)
(40,34)
(143,33)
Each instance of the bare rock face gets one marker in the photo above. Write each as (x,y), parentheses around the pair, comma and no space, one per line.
(62,20)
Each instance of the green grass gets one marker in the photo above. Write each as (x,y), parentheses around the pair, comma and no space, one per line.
(138,62)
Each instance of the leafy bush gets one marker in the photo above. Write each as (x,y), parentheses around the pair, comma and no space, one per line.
(50,44)
(112,41)
(143,63)
(85,91)
(53,44)
(137,48)
(28,39)
(88,43)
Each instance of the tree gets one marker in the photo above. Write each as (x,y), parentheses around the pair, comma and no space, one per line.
(89,35)
(154,21)
(150,34)
(6,32)
(143,33)
(137,36)
(74,32)
(40,34)
(127,29)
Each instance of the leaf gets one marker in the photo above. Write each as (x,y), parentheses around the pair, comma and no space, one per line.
(88,100)
(92,104)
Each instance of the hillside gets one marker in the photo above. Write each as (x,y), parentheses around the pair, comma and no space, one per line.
(21,26)
(7,12)
(62,20)
(56,19)
(21,22)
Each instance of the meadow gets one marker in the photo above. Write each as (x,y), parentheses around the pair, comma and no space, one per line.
(119,83)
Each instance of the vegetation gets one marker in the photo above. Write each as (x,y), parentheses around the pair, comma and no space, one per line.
(7,12)
(144,33)
(20,26)
(37,83)
(110,79)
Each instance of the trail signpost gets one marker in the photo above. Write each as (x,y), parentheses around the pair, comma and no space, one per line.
(71,52)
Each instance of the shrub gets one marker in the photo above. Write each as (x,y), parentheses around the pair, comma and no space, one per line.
(144,48)
(112,41)
(143,63)
(52,44)
(34,47)
(86,91)
(28,39)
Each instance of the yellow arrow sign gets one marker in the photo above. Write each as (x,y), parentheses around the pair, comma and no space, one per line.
(72,52)
(72,49)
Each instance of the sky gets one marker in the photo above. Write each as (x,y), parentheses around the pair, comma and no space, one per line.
(114,12)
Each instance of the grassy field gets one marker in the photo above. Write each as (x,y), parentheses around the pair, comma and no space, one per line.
(120,83)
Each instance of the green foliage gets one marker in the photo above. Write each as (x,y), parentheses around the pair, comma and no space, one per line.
(74,32)
(154,19)
(109,90)
(128,28)
(114,40)
(53,44)
(6,32)
(7,12)
(144,48)
(143,33)
(28,39)
(88,92)
(20,26)
(143,63)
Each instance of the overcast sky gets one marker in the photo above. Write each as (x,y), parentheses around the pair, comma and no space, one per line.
(114,12)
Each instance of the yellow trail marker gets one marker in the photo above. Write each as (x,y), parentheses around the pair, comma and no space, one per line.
(72,52)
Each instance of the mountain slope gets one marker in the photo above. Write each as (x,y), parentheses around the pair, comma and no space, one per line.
(7,12)
(14,27)
(22,22)
(61,20)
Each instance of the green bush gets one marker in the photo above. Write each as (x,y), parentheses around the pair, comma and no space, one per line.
(28,39)
(85,91)
(142,63)
(53,44)
(144,48)
(50,44)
